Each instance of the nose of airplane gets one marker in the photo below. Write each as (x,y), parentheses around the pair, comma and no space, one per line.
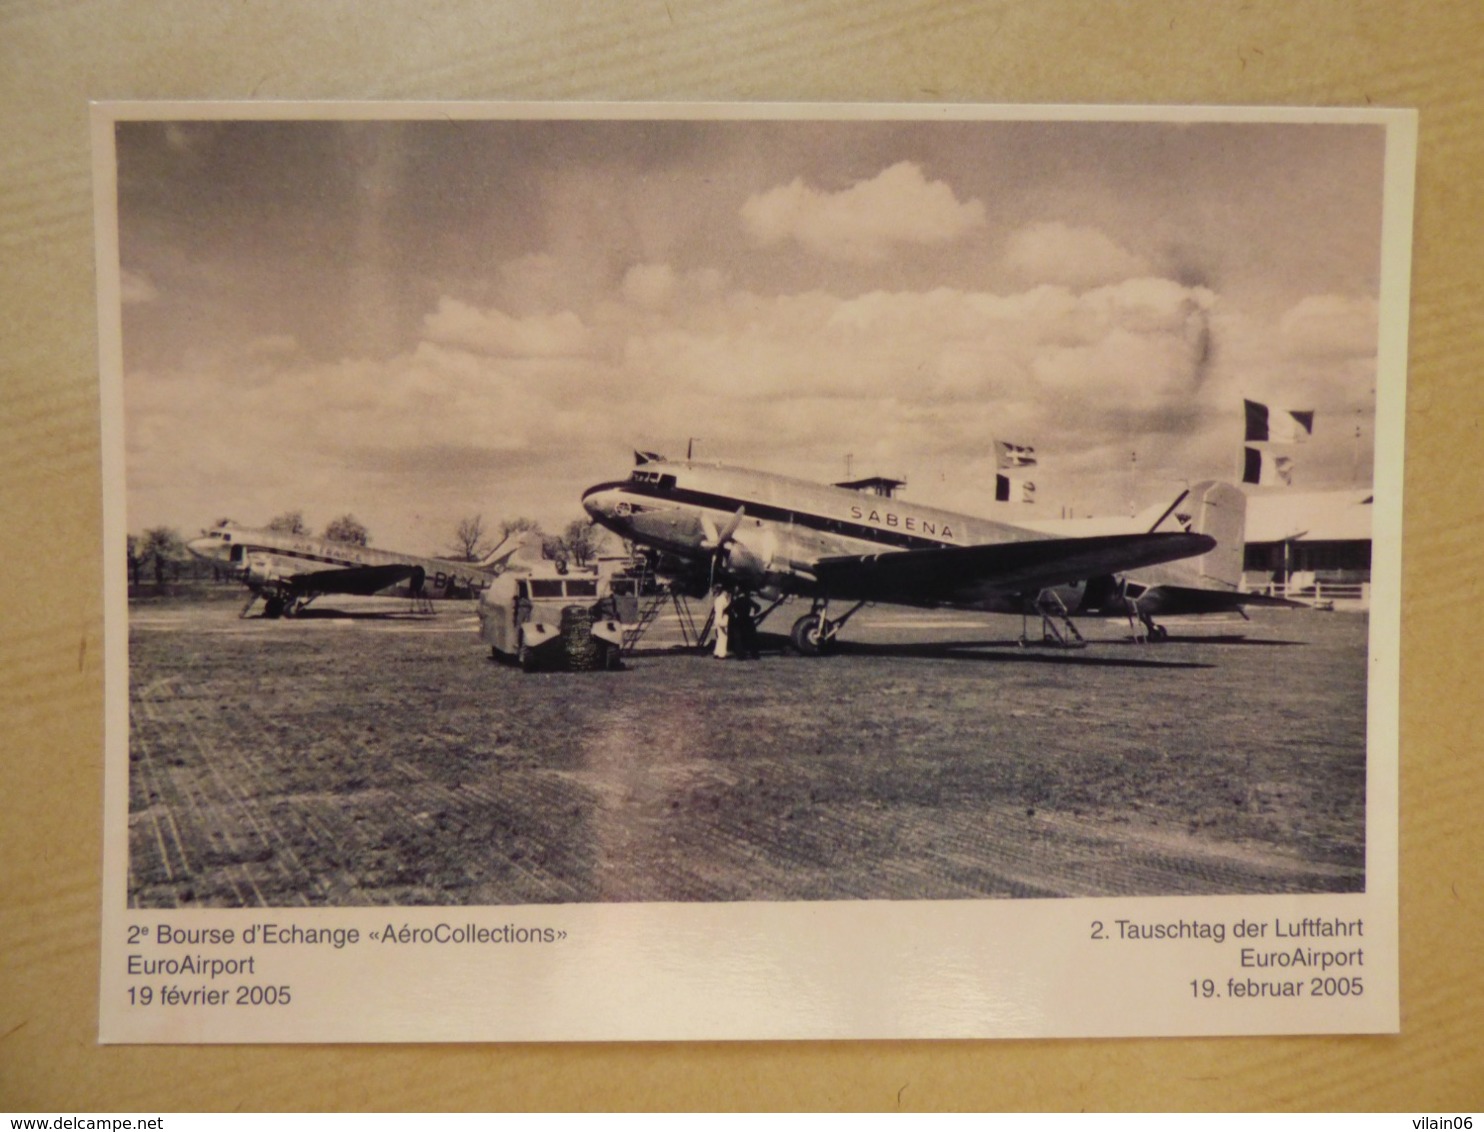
(205,547)
(606,504)
(599,502)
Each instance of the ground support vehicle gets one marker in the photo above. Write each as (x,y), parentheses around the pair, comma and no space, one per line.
(552,621)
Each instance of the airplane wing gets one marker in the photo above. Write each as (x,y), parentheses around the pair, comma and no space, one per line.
(961,574)
(362,580)
(1169,601)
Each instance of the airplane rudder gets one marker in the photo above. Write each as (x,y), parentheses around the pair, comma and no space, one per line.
(1221,512)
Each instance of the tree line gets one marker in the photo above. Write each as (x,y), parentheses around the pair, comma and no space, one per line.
(580,542)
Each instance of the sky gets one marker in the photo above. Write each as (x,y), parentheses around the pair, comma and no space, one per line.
(420,321)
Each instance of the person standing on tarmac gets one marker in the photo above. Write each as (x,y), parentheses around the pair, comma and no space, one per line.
(744,611)
(721,603)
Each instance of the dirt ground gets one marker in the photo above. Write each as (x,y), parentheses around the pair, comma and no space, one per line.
(374,757)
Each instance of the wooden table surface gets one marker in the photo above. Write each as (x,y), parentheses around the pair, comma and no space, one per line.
(56,56)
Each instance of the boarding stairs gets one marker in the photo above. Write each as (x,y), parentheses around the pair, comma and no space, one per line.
(1051,609)
(650,609)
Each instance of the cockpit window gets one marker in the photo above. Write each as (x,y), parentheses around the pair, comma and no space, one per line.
(662,480)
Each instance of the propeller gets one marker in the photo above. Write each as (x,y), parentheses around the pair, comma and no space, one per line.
(716,540)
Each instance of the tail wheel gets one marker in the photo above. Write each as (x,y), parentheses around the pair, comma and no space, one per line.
(813,635)
(526,658)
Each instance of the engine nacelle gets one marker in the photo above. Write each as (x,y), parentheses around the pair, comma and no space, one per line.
(746,566)
(260,570)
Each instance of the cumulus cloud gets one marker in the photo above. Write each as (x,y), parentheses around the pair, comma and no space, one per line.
(656,286)
(1323,327)
(649,285)
(768,379)
(493,332)
(863,223)
(940,352)
(594,320)
(454,414)
(1076,257)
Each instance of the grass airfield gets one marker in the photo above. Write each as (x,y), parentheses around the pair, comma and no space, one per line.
(364,755)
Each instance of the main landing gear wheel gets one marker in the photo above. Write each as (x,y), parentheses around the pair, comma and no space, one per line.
(813,635)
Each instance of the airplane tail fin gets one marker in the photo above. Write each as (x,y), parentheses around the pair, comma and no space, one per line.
(522,547)
(1219,510)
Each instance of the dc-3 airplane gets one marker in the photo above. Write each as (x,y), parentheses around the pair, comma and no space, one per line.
(779,537)
(289,571)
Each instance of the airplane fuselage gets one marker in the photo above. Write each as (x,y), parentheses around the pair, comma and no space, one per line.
(786,524)
(263,559)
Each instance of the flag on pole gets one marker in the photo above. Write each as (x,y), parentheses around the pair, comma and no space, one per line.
(1277,426)
(1009,455)
(1009,490)
(1266,468)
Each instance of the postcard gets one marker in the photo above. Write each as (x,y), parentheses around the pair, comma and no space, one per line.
(695,571)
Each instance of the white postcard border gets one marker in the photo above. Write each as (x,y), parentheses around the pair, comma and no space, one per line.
(839,969)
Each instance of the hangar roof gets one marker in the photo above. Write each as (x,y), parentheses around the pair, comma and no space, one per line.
(1310,516)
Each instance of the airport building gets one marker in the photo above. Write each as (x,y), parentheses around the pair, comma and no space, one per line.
(1307,543)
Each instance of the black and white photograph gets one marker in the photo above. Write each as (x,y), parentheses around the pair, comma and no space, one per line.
(537,511)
